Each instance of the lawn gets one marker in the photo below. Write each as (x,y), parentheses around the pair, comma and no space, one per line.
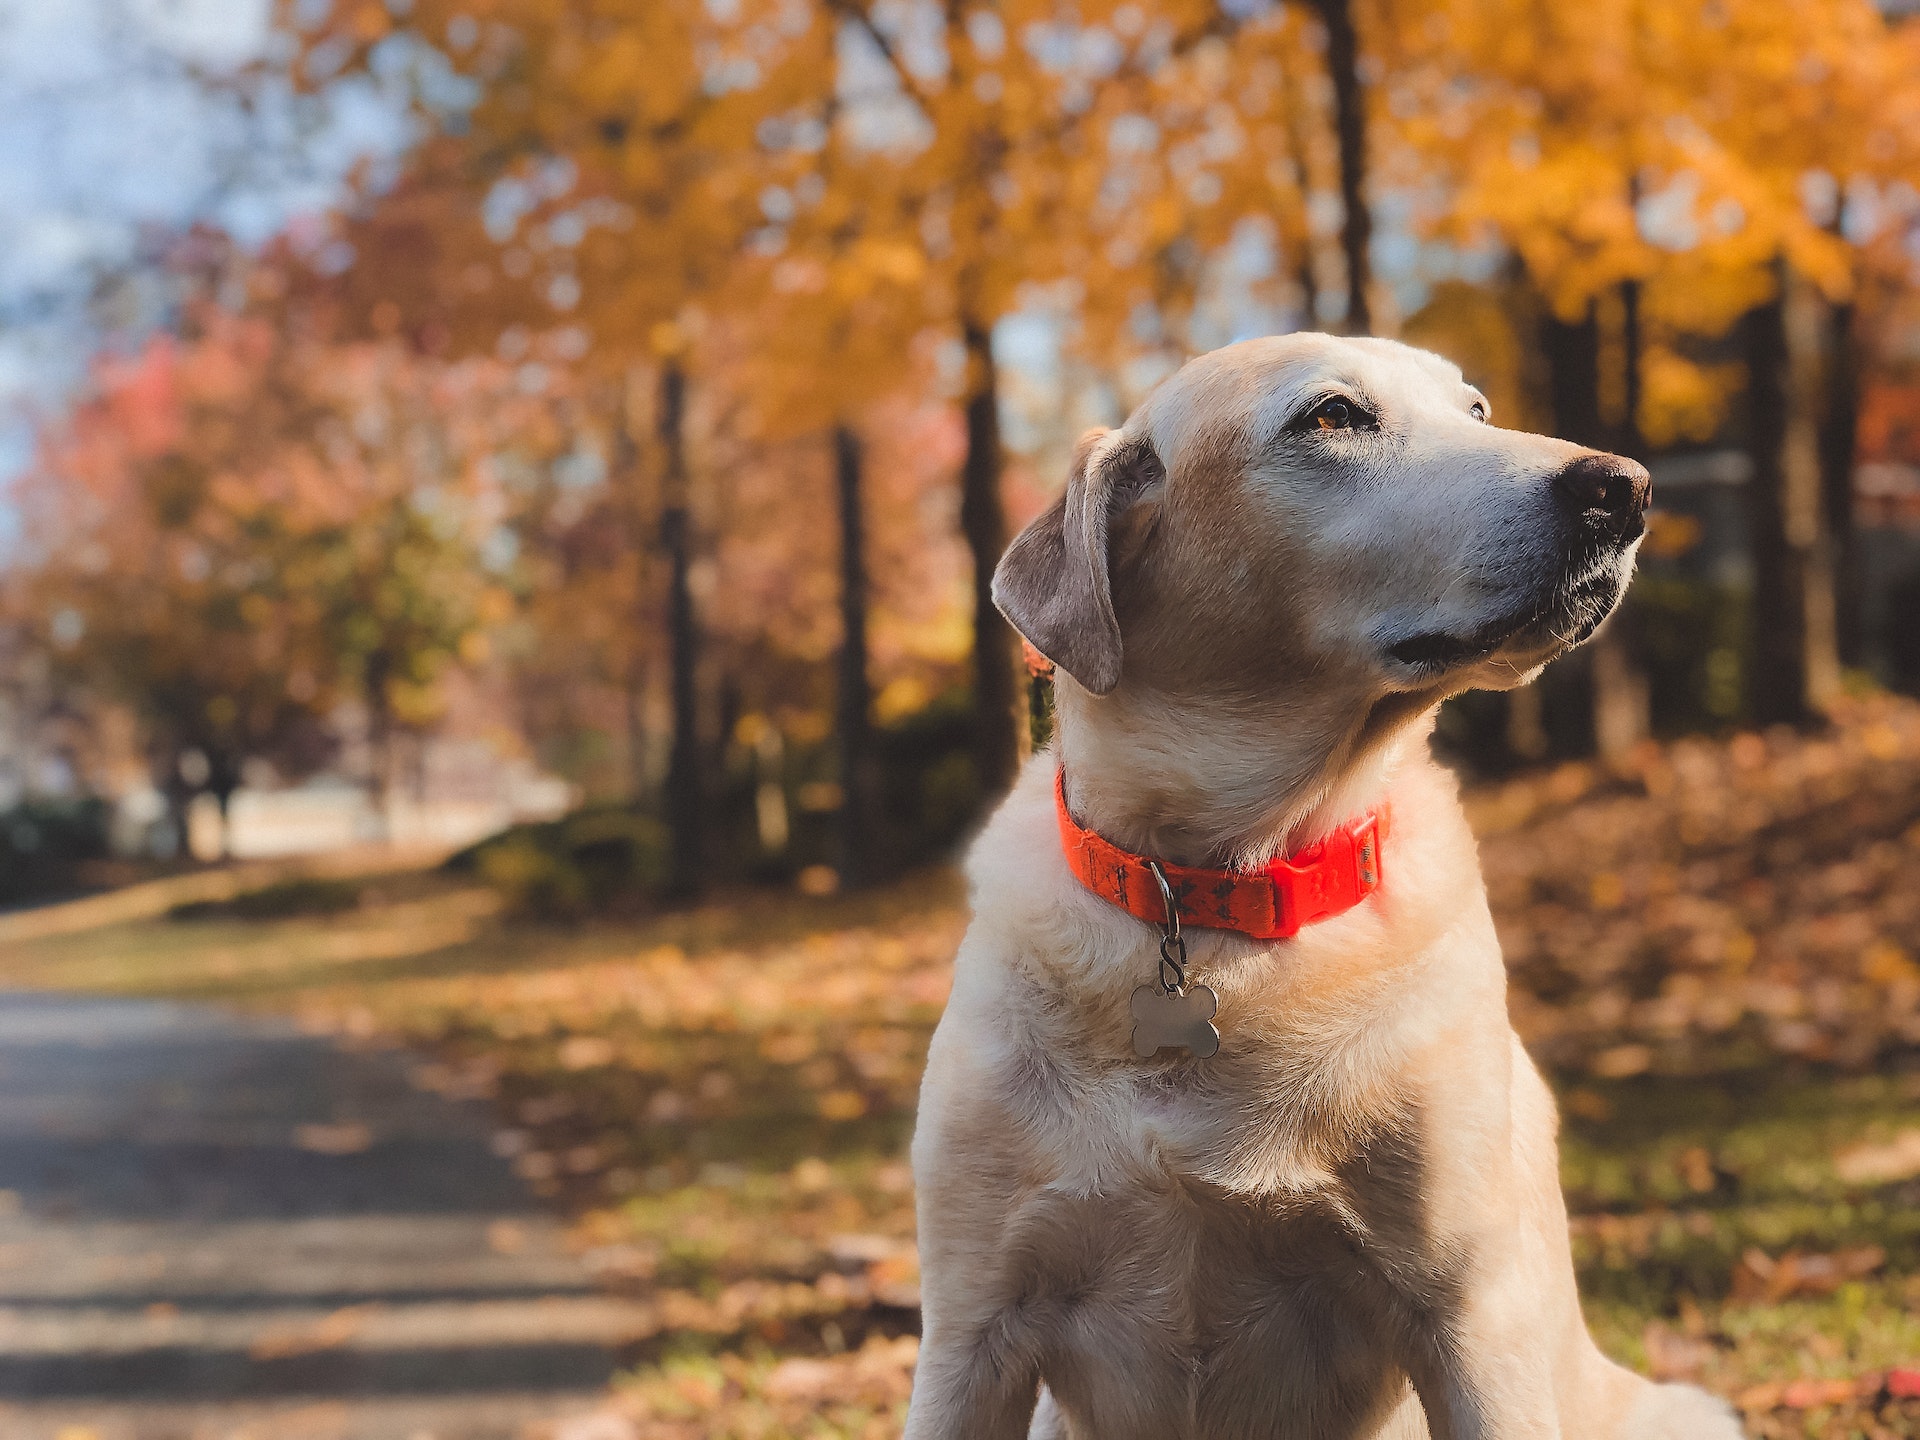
(1712,951)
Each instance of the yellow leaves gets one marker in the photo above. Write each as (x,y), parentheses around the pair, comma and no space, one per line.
(893,262)
(1470,322)
(667,340)
(1695,295)
(842,1105)
(1885,963)
(1683,399)
(1715,113)
(1671,535)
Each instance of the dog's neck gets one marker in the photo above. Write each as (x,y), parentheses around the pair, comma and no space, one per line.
(1219,784)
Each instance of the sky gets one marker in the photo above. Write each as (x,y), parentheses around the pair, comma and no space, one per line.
(126,118)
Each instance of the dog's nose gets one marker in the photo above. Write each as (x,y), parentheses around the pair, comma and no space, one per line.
(1608,486)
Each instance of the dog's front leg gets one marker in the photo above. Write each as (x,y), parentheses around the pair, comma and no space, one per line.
(1486,1371)
(970,1385)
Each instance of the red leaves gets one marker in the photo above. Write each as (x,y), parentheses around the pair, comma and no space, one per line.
(1806,1393)
(1903,1384)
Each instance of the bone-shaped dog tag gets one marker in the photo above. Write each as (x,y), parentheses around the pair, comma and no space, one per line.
(1162,1020)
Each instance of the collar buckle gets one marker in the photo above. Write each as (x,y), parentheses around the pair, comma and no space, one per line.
(1330,876)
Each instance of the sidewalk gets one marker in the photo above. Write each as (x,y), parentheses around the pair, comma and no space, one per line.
(213,1227)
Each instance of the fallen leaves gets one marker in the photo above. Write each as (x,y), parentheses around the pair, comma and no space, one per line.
(585,1052)
(723,1099)
(1761,1278)
(884,1365)
(346,1137)
(1880,1164)
(338,1328)
(1709,902)
(860,1394)
(1806,1394)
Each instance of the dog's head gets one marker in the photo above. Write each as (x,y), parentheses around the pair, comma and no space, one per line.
(1334,513)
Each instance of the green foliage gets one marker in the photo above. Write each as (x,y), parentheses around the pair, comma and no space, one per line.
(1690,634)
(595,861)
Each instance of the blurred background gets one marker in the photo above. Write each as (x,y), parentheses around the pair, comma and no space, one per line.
(498,500)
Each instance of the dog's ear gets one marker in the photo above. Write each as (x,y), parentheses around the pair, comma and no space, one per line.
(1055,581)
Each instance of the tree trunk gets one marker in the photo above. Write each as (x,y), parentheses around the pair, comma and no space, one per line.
(1792,668)
(854,697)
(1297,127)
(630,485)
(1617,700)
(683,797)
(1631,441)
(223,783)
(1622,708)
(1622,704)
(983,521)
(377,671)
(1573,376)
(1839,430)
(1808,324)
(1350,125)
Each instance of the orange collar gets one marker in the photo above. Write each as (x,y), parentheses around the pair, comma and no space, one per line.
(1328,878)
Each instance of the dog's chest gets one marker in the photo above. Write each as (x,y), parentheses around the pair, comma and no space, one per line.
(1176,1310)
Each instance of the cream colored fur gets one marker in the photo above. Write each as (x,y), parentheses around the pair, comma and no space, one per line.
(1348,1223)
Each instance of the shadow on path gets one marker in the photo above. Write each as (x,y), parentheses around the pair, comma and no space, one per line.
(213,1226)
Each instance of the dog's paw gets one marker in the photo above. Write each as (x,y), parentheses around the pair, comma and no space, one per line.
(1162,1021)
(1680,1412)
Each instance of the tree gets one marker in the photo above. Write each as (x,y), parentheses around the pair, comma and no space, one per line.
(854,693)
(1350,125)
(1663,156)
(990,150)
(1796,669)
(157,580)
(245,526)
(616,146)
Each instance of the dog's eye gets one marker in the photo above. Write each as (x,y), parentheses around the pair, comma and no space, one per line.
(1336,413)
(1479,411)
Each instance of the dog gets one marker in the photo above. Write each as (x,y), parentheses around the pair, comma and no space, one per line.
(1310,1189)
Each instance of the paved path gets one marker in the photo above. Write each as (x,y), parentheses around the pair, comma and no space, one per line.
(186,1251)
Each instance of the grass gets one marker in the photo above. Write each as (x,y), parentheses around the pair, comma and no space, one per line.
(723,1098)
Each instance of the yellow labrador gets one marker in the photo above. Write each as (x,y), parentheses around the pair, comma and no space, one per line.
(1347,1222)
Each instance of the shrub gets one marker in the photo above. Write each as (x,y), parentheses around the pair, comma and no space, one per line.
(598,860)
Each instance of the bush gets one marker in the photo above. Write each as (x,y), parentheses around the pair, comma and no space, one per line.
(598,860)
(283,901)
(44,844)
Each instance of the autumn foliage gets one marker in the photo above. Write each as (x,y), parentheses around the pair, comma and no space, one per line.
(678,391)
